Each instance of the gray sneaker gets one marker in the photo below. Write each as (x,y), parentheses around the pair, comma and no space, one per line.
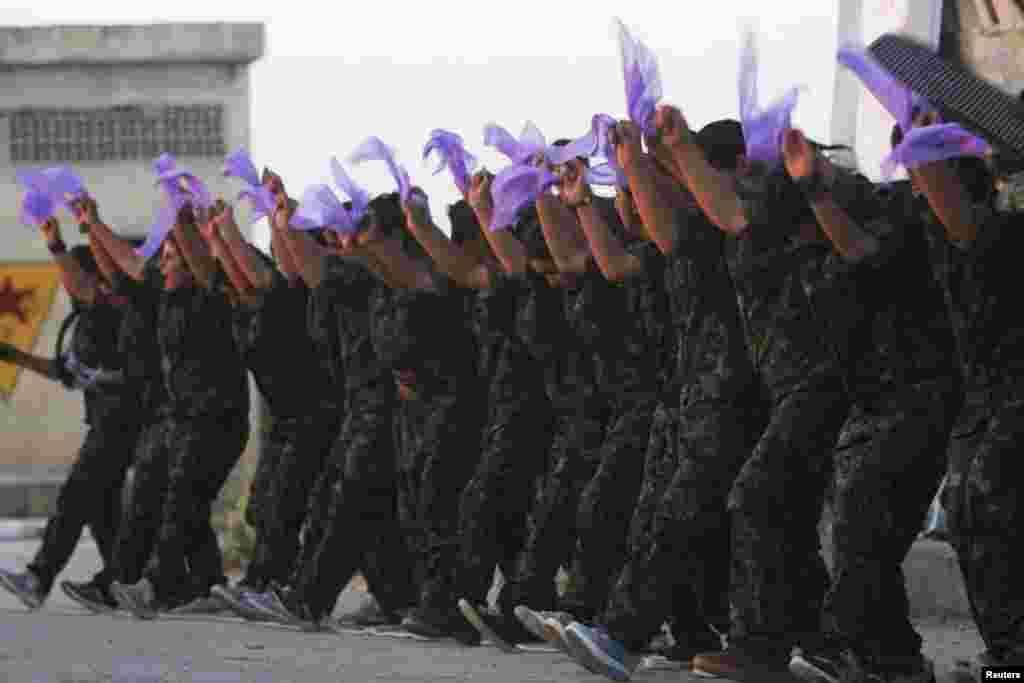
(138,598)
(25,587)
(208,605)
(238,600)
(535,621)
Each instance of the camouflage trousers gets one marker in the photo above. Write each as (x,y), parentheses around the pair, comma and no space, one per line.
(888,465)
(291,458)
(498,497)
(362,529)
(186,559)
(779,578)
(444,451)
(679,547)
(141,517)
(983,506)
(90,496)
(575,457)
(607,504)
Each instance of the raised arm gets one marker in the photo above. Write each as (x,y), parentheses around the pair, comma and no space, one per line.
(656,214)
(813,173)
(714,190)
(193,249)
(506,246)
(79,284)
(450,258)
(308,257)
(562,232)
(257,271)
(108,248)
(613,260)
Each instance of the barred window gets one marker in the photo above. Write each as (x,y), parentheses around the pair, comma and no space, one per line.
(115,134)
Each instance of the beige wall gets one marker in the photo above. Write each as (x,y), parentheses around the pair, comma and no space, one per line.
(993,51)
(72,67)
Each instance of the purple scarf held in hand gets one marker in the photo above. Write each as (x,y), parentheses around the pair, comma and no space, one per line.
(62,185)
(595,144)
(374,149)
(938,142)
(762,128)
(239,165)
(451,150)
(514,188)
(532,143)
(179,188)
(642,78)
(321,208)
(36,208)
(898,100)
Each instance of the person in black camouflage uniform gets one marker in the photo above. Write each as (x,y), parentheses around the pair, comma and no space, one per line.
(276,346)
(890,456)
(361,529)
(710,413)
(974,262)
(91,494)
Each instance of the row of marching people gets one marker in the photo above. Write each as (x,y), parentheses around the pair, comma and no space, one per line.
(655,393)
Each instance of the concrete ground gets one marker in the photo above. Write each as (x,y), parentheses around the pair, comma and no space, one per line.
(62,644)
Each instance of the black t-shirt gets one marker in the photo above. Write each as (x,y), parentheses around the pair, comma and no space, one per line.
(798,297)
(201,365)
(976,278)
(356,295)
(520,324)
(907,335)
(137,348)
(94,343)
(708,347)
(277,347)
(629,324)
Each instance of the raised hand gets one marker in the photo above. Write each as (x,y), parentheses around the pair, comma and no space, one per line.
(671,126)
(479,196)
(574,188)
(625,137)
(801,159)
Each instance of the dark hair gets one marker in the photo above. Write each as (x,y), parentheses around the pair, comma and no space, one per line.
(465,226)
(388,210)
(529,231)
(83,254)
(722,141)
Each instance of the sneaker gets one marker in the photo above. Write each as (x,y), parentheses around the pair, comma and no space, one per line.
(738,665)
(370,615)
(496,627)
(90,596)
(536,623)
(435,623)
(204,604)
(25,587)
(274,604)
(138,598)
(594,649)
(238,601)
(816,667)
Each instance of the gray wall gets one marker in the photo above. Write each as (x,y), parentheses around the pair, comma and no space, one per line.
(99,67)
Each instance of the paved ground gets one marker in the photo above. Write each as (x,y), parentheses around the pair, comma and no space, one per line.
(62,643)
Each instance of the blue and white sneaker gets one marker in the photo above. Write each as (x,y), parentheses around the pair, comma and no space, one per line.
(270,604)
(25,587)
(238,600)
(595,651)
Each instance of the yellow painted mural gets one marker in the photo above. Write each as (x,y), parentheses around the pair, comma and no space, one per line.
(26,295)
